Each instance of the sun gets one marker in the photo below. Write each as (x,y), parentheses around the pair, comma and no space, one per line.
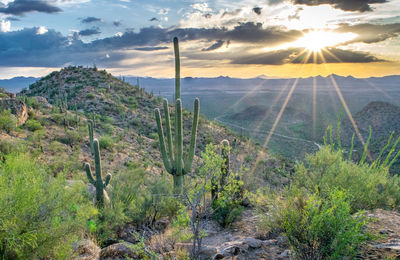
(315,41)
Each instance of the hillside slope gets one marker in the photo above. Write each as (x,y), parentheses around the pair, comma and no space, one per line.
(124,122)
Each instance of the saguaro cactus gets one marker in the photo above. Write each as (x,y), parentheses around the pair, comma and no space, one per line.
(98,182)
(174,161)
(225,169)
(91,135)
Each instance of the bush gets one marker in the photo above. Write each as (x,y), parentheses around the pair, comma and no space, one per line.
(136,197)
(368,186)
(106,142)
(8,122)
(323,228)
(33,125)
(40,217)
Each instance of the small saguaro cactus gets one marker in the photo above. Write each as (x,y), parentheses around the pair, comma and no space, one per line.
(174,161)
(98,182)
(225,169)
(91,135)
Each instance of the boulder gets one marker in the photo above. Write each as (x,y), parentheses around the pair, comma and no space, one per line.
(43,101)
(86,250)
(17,108)
(253,242)
(118,251)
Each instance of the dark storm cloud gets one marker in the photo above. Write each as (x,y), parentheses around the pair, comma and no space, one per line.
(257,10)
(15,19)
(91,19)
(371,33)
(20,7)
(89,32)
(215,46)
(27,48)
(297,56)
(154,19)
(345,5)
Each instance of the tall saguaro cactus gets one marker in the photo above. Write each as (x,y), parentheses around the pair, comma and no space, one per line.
(98,182)
(91,135)
(174,161)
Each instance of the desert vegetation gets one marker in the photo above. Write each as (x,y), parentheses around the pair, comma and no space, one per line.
(180,184)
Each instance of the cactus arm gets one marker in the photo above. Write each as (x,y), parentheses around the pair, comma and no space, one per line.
(91,135)
(169,135)
(179,138)
(89,174)
(107,181)
(162,141)
(192,146)
(177,70)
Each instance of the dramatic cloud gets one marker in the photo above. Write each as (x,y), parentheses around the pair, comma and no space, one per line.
(298,56)
(20,7)
(215,46)
(5,26)
(33,47)
(257,10)
(116,23)
(89,32)
(154,19)
(345,5)
(151,48)
(371,33)
(92,19)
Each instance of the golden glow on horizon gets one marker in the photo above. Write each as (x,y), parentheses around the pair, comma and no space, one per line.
(317,40)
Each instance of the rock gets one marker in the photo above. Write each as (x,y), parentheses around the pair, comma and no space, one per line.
(206,252)
(235,250)
(161,224)
(129,234)
(246,202)
(281,240)
(17,108)
(218,256)
(86,250)
(253,242)
(43,101)
(118,251)
(92,193)
(228,237)
(285,253)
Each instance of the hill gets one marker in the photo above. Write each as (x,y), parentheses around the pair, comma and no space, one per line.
(124,120)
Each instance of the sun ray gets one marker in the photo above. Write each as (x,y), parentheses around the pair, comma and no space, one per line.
(346,108)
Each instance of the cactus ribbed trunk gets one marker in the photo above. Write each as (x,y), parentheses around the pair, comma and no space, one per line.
(98,182)
(176,164)
(177,70)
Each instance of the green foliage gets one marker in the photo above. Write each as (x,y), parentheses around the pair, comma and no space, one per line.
(106,142)
(33,125)
(227,205)
(368,187)
(40,217)
(323,227)
(8,122)
(136,197)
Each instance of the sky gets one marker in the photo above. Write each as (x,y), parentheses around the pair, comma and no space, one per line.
(236,38)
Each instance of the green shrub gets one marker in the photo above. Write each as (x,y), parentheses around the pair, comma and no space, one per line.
(323,228)
(8,122)
(39,217)
(90,96)
(368,187)
(106,142)
(33,125)
(136,197)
